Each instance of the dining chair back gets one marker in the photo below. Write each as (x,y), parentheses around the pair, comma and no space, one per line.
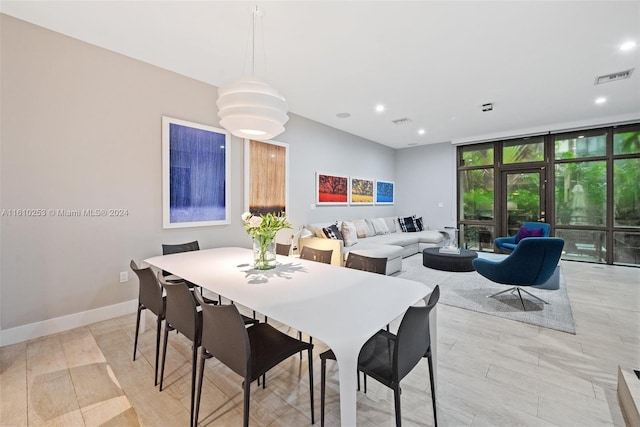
(389,358)
(183,316)
(168,249)
(413,340)
(366,263)
(318,255)
(282,249)
(149,297)
(249,352)
(178,248)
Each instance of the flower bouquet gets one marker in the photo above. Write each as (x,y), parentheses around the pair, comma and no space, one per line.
(262,229)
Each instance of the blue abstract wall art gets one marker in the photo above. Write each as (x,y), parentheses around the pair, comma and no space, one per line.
(195,174)
(385,193)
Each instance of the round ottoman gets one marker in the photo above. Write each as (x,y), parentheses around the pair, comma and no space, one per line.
(433,258)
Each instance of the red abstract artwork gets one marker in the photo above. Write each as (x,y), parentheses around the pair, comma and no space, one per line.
(332,189)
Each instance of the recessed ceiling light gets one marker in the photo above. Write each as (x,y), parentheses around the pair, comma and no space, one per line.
(601,100)
(343,115)
(380,108)
(627,45)
(421,131)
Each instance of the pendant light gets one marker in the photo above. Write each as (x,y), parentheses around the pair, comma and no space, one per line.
(250,107)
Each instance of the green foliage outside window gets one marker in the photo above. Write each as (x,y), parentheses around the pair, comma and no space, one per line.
(626,192)
(472,156)
(626,143)
(581,191)
(518,152)
(477,194)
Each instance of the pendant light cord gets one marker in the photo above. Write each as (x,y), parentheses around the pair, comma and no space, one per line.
(253,41)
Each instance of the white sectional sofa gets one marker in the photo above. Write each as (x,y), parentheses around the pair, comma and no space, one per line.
(373,239)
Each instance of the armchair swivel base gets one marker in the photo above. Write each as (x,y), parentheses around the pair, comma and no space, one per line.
(518,289)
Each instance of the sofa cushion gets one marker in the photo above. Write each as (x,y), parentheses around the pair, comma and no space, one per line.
(392,223)
(419,224)
(377,251)
(379,226)
(332,232)
(349,234)
(316,228)
(363,229)
(399,239)
(430,236)
(407,224)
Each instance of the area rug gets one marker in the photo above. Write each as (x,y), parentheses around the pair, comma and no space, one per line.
(470,290)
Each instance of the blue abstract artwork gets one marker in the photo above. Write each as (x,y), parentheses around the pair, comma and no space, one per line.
(196,176)
(385,192)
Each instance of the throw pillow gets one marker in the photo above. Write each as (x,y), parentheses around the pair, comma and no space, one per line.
(332,232)
(407,224)
(363,229)
(528,232)
(391,224)
(419,224)
(349,234)
(379,226)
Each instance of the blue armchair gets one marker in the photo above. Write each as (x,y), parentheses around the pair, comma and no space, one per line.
(532,263)
(508,244)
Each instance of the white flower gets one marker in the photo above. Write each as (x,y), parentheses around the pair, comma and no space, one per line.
(255,221)
(245,216)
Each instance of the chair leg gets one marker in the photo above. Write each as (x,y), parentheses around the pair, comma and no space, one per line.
(433,389)
(538,298)
(194,361)
(158,327)
(396,398)
(164,353)
(135,341)
(521,300)
(364,380)
(310,355)
(323,378)
(199,390)
(247,393)
(501,292)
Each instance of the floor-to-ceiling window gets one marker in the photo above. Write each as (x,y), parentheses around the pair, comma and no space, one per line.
(476,196)
(586,184)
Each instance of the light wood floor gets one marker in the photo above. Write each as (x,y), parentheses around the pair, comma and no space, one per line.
(491,372)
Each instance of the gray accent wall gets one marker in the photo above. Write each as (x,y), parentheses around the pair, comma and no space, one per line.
(426,178)
(81,128)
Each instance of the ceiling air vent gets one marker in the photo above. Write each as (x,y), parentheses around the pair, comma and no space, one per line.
(614,76)
(401,121)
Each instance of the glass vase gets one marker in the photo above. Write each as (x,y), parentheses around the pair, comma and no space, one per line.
(264,254)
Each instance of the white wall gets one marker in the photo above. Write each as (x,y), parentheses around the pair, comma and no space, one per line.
(426,177)
(81,128)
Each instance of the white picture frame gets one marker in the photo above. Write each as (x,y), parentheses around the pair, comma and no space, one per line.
(266,176)
(196,174)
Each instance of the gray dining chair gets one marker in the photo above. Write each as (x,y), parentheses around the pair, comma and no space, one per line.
(249,352)
(318,255)
(149,297)
(388,358)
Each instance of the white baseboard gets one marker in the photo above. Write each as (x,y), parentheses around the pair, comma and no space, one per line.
(64,323)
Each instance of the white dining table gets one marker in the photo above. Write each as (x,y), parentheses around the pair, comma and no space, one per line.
(340,306)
